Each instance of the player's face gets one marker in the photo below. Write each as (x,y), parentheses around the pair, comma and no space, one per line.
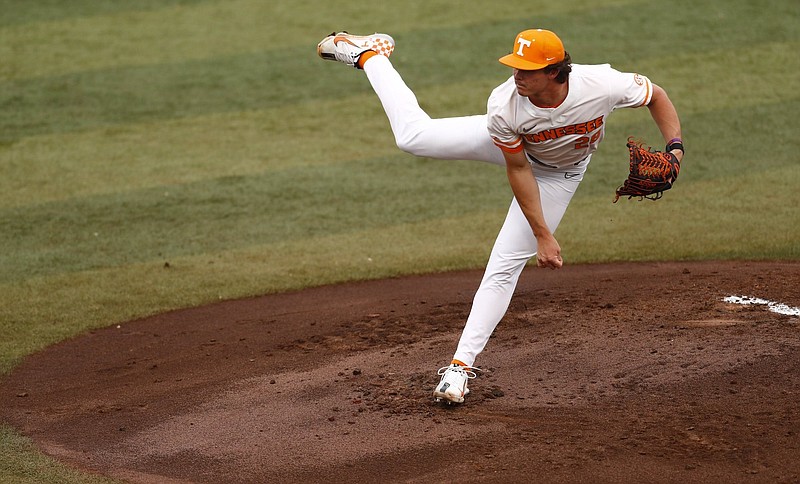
(531,83)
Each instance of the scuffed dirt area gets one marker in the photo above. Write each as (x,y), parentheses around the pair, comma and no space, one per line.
(598,373)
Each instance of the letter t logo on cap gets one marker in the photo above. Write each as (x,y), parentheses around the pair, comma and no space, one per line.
(522,43)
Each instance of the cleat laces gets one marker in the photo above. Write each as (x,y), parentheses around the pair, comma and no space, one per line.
(467,372)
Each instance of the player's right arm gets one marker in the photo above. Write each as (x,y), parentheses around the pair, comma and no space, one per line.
(500,118)
(526,191)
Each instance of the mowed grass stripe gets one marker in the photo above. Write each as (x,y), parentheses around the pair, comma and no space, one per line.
(720,144)
(27,12)
(112,36)
(731,79)
(44,309)
(135,156)
(629,37)
(736,221)
(157,92)
(423,54)
(235,212)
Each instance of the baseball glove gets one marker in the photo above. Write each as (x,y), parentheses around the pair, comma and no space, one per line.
(651,172)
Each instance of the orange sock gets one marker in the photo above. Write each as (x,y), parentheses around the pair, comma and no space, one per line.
(365,57)
(459,363)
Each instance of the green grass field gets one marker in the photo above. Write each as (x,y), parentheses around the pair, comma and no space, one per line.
(165,154)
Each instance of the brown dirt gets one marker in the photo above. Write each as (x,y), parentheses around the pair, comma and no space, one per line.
(599,373)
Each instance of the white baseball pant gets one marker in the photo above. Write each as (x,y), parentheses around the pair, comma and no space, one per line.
(467,138)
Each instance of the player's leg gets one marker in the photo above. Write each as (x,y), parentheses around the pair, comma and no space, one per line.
(457,138)
(514,246)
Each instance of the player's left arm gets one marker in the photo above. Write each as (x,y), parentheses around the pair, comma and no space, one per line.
(666,117)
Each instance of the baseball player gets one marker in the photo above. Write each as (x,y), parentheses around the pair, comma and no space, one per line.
(543,124)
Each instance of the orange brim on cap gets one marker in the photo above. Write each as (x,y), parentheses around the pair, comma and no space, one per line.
(517,62)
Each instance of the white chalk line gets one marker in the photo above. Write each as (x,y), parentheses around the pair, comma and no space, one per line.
(775,307)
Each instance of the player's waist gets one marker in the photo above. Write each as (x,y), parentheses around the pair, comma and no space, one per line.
(569,165)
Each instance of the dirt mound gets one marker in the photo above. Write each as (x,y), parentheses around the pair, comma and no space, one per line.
(598,373)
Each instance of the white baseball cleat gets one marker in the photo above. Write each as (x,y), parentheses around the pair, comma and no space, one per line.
(453,385)
(347,48)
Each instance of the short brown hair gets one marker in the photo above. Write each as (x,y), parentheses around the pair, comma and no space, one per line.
(564,68)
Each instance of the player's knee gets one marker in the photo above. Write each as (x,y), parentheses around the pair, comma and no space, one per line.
(408,145)
(501,278)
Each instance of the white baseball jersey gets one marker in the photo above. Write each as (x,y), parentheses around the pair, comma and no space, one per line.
(564,136)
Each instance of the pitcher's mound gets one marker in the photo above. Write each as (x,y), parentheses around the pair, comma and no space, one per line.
(598,373)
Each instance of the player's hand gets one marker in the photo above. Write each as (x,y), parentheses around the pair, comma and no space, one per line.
(548,254)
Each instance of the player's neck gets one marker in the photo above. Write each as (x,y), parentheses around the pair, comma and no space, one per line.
(551,98)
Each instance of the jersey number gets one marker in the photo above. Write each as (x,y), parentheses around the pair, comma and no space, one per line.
(584,141)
